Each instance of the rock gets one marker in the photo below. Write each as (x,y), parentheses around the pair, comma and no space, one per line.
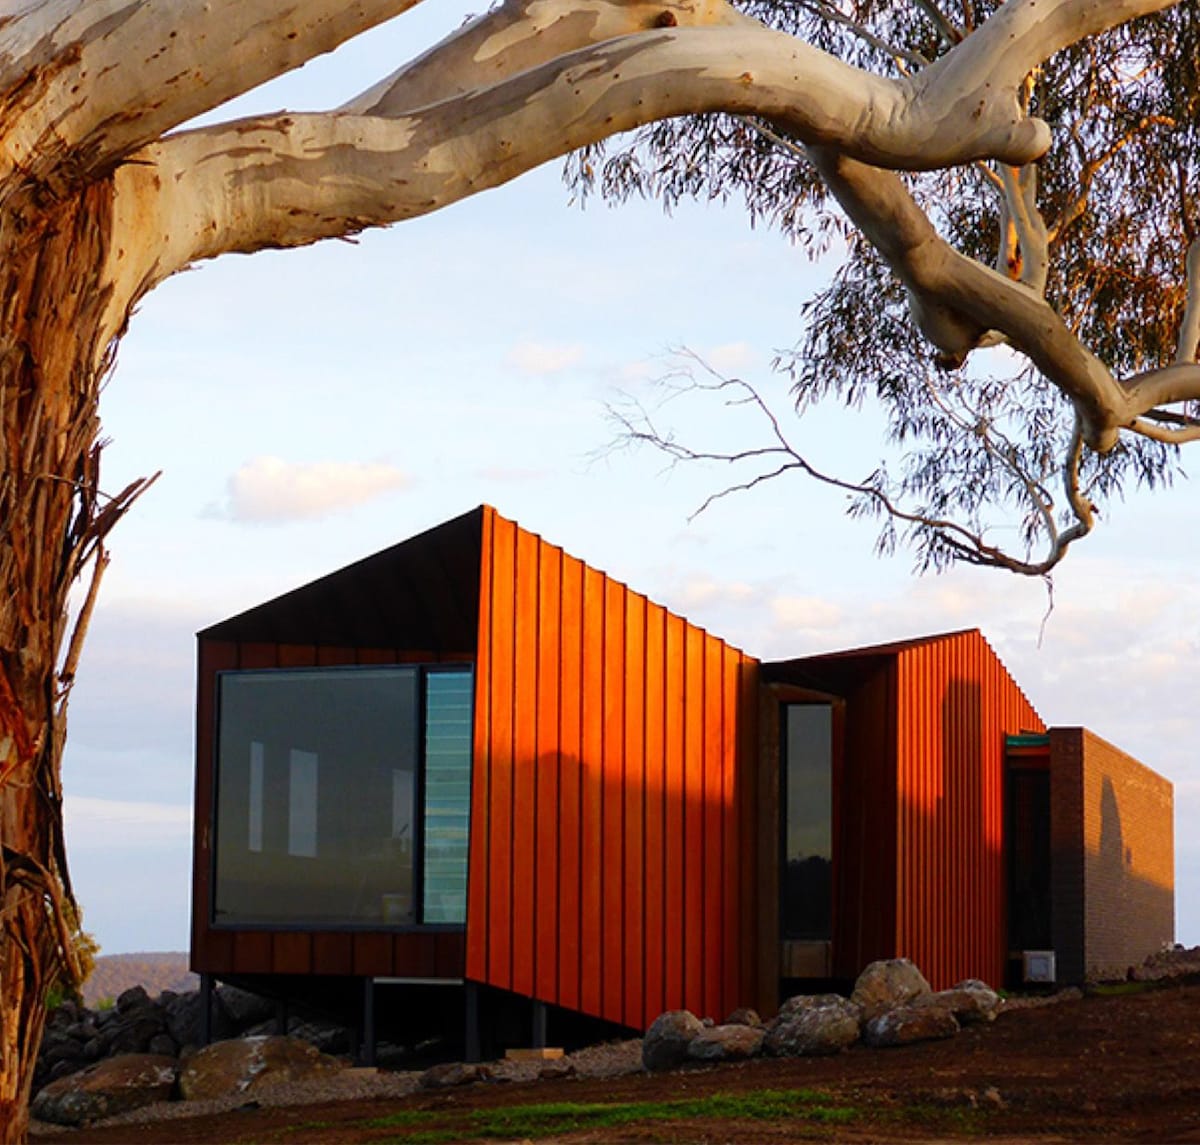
(135,998)
(453,1073)
(243,1008)
(886,984)
(133,1034)
(184,1017)
(971,1001)
(247,1064)
(726,1043)
(106,1088)
(744,1016)
(666,1042)
(811,1025)
(921,1021)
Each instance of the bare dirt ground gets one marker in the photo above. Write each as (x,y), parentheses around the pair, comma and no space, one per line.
(1116,1066)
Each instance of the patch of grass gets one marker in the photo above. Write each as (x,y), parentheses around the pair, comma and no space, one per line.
(426,1127)
(544,1120)
(1119,989)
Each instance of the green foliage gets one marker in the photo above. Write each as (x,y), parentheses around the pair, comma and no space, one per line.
(985,445)
(105,1003)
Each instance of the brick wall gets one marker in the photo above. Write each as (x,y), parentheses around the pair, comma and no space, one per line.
(1124,840)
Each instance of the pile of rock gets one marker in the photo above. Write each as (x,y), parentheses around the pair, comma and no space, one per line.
(892,1005)
(95,1063)
(169,1026)
(241,1066)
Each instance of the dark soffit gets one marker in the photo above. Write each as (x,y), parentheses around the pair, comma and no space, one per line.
(421,594)
(838,671)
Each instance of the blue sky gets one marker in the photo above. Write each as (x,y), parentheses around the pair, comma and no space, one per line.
(310,407)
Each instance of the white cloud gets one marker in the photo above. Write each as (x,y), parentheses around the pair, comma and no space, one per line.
(271,489)
(544,357)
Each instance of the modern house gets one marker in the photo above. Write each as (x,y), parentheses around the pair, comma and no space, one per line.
(472,760)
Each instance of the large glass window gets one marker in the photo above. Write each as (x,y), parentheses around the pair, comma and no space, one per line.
(320,777)
(807,908)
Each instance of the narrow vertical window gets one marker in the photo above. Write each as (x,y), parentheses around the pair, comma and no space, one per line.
(808,822)
(447,795)
(256,797)
(302,804)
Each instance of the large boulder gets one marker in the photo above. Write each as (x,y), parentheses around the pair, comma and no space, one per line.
(886,984)
(726,1043)
(105,1089)
(812,1025)
(971,1001)
(924,1019)
(665,1045)
(245,1065)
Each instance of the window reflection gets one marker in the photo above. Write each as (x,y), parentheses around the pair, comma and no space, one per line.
(807,908)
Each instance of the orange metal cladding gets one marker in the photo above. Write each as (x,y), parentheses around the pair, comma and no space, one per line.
(955,705)
(610,842)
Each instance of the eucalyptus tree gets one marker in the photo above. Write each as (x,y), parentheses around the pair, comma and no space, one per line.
(105,191)
(1078,269)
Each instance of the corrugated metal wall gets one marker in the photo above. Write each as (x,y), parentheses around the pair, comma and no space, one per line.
(612,843)
(955,705)
(230,951)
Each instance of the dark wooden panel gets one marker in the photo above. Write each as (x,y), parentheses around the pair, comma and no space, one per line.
(336,657)
(378,656)
(612,874)
(213,954)
(254,655)
(525,762)
(450,949)
(252,952)
(414,955)
(333,954)
(297,655)
(292,953)
(547,753)
(373,955)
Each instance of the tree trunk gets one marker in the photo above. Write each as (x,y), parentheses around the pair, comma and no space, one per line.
(53,301)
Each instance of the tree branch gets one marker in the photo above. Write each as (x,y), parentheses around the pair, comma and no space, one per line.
(84,82)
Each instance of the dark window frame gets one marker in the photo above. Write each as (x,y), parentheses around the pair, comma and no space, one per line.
(423,669)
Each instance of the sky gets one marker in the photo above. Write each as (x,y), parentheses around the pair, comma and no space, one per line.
(308,408)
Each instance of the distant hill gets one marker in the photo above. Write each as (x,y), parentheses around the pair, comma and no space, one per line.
(155,970)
